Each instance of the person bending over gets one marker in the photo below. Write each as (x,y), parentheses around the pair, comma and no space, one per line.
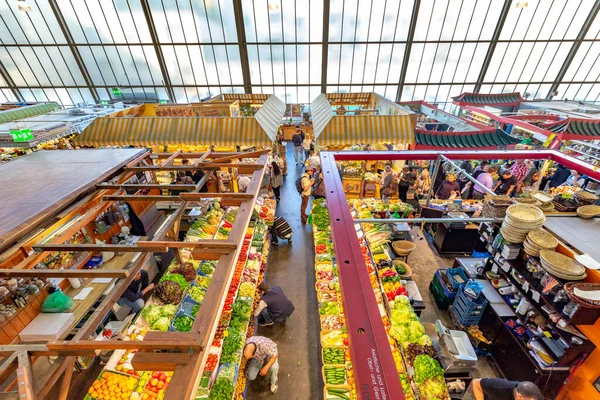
(261,353)
(502,389)
(274,306)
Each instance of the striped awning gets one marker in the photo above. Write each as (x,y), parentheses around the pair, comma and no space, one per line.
(28,111)
(157,131)
(347,130)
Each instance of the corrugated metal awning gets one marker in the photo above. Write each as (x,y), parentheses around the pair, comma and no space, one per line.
(29,111)
(157,131)
(397,129)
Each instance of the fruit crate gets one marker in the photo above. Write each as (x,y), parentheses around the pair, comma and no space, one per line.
(341,367)
(332,347)
(327,396)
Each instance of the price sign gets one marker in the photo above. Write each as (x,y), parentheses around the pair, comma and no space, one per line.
(495,268)
(526,286)
(536,296)
(506,266)
(21,135)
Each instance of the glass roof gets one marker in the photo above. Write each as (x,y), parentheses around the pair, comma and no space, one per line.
(74,51)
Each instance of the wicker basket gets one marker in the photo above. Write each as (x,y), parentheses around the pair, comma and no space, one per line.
(586,197)
(403,247)
(561,208)
(570,288)
(588,211)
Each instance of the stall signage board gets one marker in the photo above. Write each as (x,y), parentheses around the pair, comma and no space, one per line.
(116,91)
(21,135)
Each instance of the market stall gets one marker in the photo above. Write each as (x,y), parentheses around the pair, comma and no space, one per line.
(528,322)
(222,253)
(186,128)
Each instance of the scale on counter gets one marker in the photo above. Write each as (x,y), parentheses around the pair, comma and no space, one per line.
(457,352)
(401,231)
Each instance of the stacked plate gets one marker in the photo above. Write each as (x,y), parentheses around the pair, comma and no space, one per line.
(539,240)
(496,206)
(561,266)
(520,219)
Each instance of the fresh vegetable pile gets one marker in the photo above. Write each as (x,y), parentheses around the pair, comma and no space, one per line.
(207,268)
(177,278)
(183,323)
(329,308)
(153,312)
(338,393)
(186,270)
(221,390)
(333,355)
(320,215)
(197,293)
(426,367)
(169,292)
(334,375)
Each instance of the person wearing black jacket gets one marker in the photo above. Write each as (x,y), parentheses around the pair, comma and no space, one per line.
(133,296)
(197,177)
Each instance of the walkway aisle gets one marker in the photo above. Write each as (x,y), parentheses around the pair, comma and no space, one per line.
(291,266)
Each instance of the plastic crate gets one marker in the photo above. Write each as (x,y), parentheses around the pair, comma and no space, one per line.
(442,286)
(468,311)
(452,273)
(441,301)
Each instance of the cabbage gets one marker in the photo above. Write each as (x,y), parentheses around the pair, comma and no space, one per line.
(161,324)
(151,314)
(433,388)
(425,368)
(400,333)
(403,315)
(401,300)
(416,329)
(168,311)
(424,341)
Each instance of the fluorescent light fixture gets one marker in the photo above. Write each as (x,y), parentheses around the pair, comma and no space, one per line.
(522,4)
(23,6)
(273,6)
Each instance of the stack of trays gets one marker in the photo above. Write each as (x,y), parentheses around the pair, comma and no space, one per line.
(496,206)
(561,266)
(544,198)
(520,219)
(539,240)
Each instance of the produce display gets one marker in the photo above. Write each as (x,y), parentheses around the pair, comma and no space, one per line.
(174,305)
(407,336)
(112,386)
(338,373)
(376,208)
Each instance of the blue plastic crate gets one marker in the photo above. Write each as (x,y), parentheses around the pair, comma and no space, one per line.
(468,311)
(452,273)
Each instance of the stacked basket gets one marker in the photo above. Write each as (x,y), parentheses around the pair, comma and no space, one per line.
(589,211)
(586,197)
(561,266)
(520,219)
(496,206)
(539,240)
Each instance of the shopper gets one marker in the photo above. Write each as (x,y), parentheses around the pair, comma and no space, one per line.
(575,179)
(315,161)
(274,306)
(133,295)
(184,178)
(486,178)
(306,146)
(276,179)
(305,188)
(186,162)
(261,353)
(506,184)
(519,170)
(243,183)
(387,183)
(448,188)
(406,179)
(502,389)
(297,141)
(423,184)
(559,177)
(280,230)
(197,177)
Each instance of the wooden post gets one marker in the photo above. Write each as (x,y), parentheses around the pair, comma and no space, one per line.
(25,377)
(66,379)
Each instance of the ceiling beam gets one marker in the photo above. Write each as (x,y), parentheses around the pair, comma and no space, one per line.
(11,84)
(241,34)
(74,50)
(408,48)
(325,45)
(159,54)
(574,48)
(493,43)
